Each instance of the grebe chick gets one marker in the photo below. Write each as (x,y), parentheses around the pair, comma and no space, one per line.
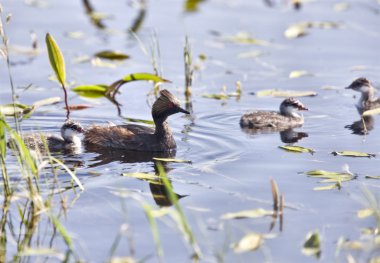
(136,137)
(367,100)
(69,138)
(285,119)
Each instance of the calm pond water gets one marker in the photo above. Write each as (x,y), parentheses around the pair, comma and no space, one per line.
(230,169)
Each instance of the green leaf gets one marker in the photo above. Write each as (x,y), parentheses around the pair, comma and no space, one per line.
(250,242)
(3,140)
(143,76)
(330,177)
(220,96)
(57,61)
(284,93)
(322,172)
(139,120)
(71,173)
(112,55)
(256,213)
(62,231)
(298,149)
(353,154)
(171,160)
(312,245)
(299,73)
(142,176)
(91,91)
(371,112)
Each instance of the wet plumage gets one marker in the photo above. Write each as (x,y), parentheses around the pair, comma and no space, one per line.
(69,138)
(137,137)
(368,100)
(284,119)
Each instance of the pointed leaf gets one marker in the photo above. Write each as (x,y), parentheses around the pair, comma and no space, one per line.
(3,140)
(143,76)
(112,55)
(322,172)
(91,91)
(354,154)
(295,148)
(57,61)
(139,120)
(250,242)
(171,160)
(256,213)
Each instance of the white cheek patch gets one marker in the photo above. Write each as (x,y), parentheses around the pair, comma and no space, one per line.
(364,89)
(68,133)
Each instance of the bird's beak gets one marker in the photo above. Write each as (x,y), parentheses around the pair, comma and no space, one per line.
(183,110)
(348,87)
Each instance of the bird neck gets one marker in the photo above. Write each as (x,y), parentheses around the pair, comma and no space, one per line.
(162,127)
(368,95)
(289,112)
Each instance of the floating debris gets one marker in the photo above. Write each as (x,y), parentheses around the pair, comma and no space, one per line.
(284,93)
(353,154)
(256,213)
(249,242)
(312,245)
(298,149)
(299,73)
(172,160)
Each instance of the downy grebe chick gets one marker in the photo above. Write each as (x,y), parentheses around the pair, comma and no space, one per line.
(136,137)
(367,100)
(69,138)
(285,119)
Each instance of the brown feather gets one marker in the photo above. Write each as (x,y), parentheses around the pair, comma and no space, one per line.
(103,135)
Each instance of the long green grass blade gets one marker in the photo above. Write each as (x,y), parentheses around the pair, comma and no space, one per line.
(57,61)
(3,143)
(154,228)
(73,176)
(62,231)
(174,200)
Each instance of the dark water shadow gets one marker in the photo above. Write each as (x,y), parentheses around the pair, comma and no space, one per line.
(362,126)
(286,136)
(157,187)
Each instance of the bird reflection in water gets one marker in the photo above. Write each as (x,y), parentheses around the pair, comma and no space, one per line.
(286,136)
(362,126)
(157,187)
